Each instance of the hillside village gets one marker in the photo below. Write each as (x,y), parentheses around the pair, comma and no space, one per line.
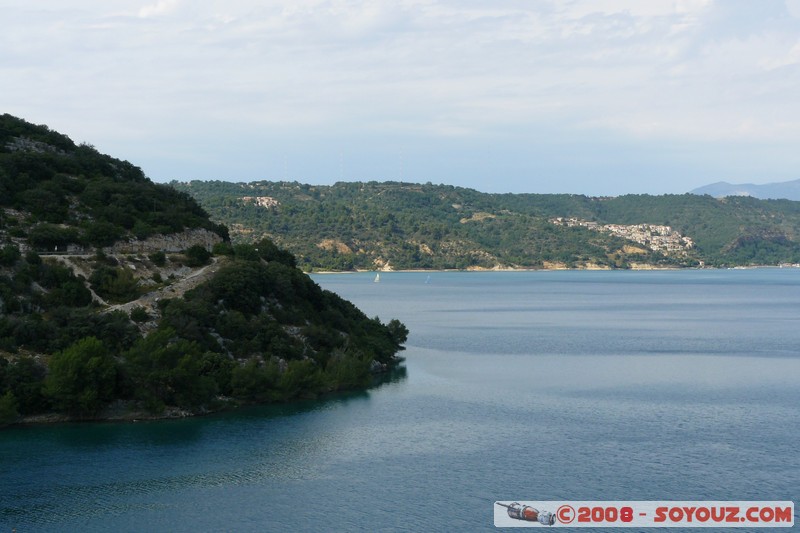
(656,237)
(261,201)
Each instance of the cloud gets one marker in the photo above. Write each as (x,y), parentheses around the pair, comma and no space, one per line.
(634,8)
(660,70)
(159,8)
(793,7)
(779,57)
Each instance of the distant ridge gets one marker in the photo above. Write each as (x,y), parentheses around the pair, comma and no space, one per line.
(399,226)
(788,190)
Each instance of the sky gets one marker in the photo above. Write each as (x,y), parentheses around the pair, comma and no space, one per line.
(601,97)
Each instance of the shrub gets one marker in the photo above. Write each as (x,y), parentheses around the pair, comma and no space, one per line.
(158,258)
(9,255)
(117,284)
(197,256)
(139,314)
(222,248)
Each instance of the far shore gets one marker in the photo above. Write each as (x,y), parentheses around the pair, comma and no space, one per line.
(544,269)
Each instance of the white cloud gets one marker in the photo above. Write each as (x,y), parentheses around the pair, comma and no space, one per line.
(159,8)
(780,58)
(656,69)
(793,7)
(633,8)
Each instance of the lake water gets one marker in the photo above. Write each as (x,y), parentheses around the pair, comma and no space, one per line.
(677,385)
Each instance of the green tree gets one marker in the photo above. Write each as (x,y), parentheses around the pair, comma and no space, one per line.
(116,284)
(8,409)
(269,251)
(347,371)
(25,379)
(51,237)
(245,252)
(398,332)
(158,258)
(222,248)
(256,382)
(301,378)
(139,314)
(102,233)
(72,293)
(82,378)
(142,230)
(9,255)
(197,256)
(169,371)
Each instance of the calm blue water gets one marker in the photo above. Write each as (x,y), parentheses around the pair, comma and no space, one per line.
(527,385)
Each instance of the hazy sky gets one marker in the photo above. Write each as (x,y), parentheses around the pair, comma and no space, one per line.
(593,97)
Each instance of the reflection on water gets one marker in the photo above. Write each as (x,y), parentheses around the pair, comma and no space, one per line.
(394,376)
(50,474)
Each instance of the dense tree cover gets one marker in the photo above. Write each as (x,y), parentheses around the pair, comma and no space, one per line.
(271,310)
(82,378)
(259,330)
(72,194)
(361,225)
(44,308)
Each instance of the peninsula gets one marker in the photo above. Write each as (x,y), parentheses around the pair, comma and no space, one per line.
(119,298)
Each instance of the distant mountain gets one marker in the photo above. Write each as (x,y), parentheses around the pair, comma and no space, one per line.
(787,190)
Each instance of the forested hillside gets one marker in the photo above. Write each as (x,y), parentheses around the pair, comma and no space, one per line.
(68,194)
(410,226)
(89,333)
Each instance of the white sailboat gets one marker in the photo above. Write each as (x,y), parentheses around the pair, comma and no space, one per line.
(377,277)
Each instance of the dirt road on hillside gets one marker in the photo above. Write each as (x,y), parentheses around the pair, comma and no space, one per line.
(176,289)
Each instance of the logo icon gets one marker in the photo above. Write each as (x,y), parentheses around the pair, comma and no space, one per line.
(530,514)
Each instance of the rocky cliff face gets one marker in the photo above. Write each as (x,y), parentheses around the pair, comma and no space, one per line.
(174,242)
(24,144)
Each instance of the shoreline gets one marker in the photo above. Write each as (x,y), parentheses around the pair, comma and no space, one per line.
(129,411)
(638,269)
